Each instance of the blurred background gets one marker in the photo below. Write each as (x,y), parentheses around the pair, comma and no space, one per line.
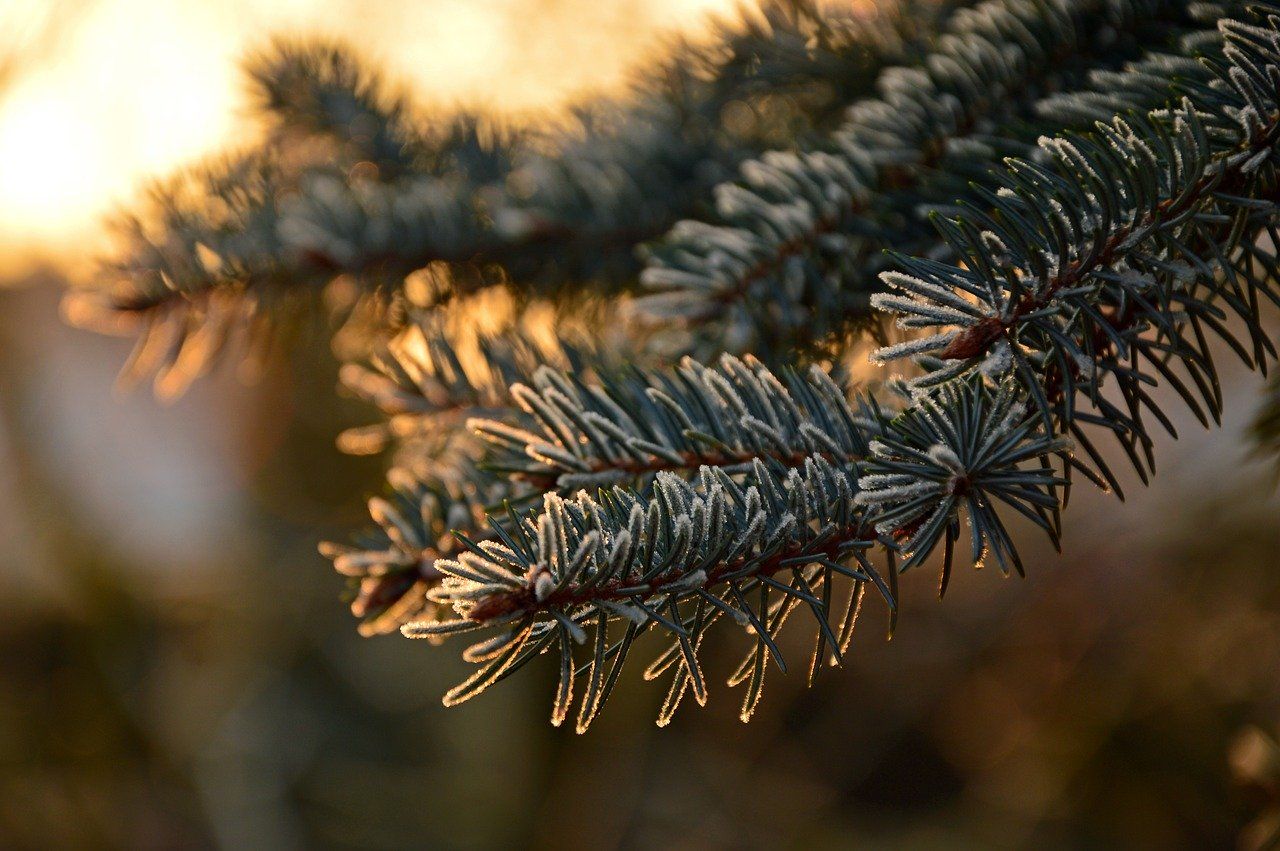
(176,669)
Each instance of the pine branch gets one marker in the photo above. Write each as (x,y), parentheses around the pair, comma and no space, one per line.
(963,446)
(793,255)
(324,90)
(182,283)
(1145,84)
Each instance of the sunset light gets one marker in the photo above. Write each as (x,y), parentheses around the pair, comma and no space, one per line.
(106,94)
(639,424)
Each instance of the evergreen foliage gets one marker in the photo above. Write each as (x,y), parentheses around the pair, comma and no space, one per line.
(793,253)
(356,182)
(1064,206)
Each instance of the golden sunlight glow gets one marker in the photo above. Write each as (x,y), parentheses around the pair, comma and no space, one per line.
(105,94)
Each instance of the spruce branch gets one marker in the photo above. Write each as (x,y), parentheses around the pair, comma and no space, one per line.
(1119,247)
(557,491)
(630,427)
(1117,261)
(792,253)
(561,434)
(962,446)
(391,568)
(322,89)
(557,209)
(181,285)
(457,361)
(577,200)
(749,545)
(1144,84)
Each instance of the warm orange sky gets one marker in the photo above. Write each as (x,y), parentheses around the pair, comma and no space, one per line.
(110,92)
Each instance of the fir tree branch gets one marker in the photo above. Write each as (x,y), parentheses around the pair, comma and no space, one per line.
(1060,290)
(794,252)
(181,284)
(554,210)
(391,568)
(677,560)
(729,416)
(1113,264)
(625,169)
(457,361)
(1124,243)
(316,89)
(631,427)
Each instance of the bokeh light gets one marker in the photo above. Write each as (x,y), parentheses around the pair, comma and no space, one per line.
(104,94)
